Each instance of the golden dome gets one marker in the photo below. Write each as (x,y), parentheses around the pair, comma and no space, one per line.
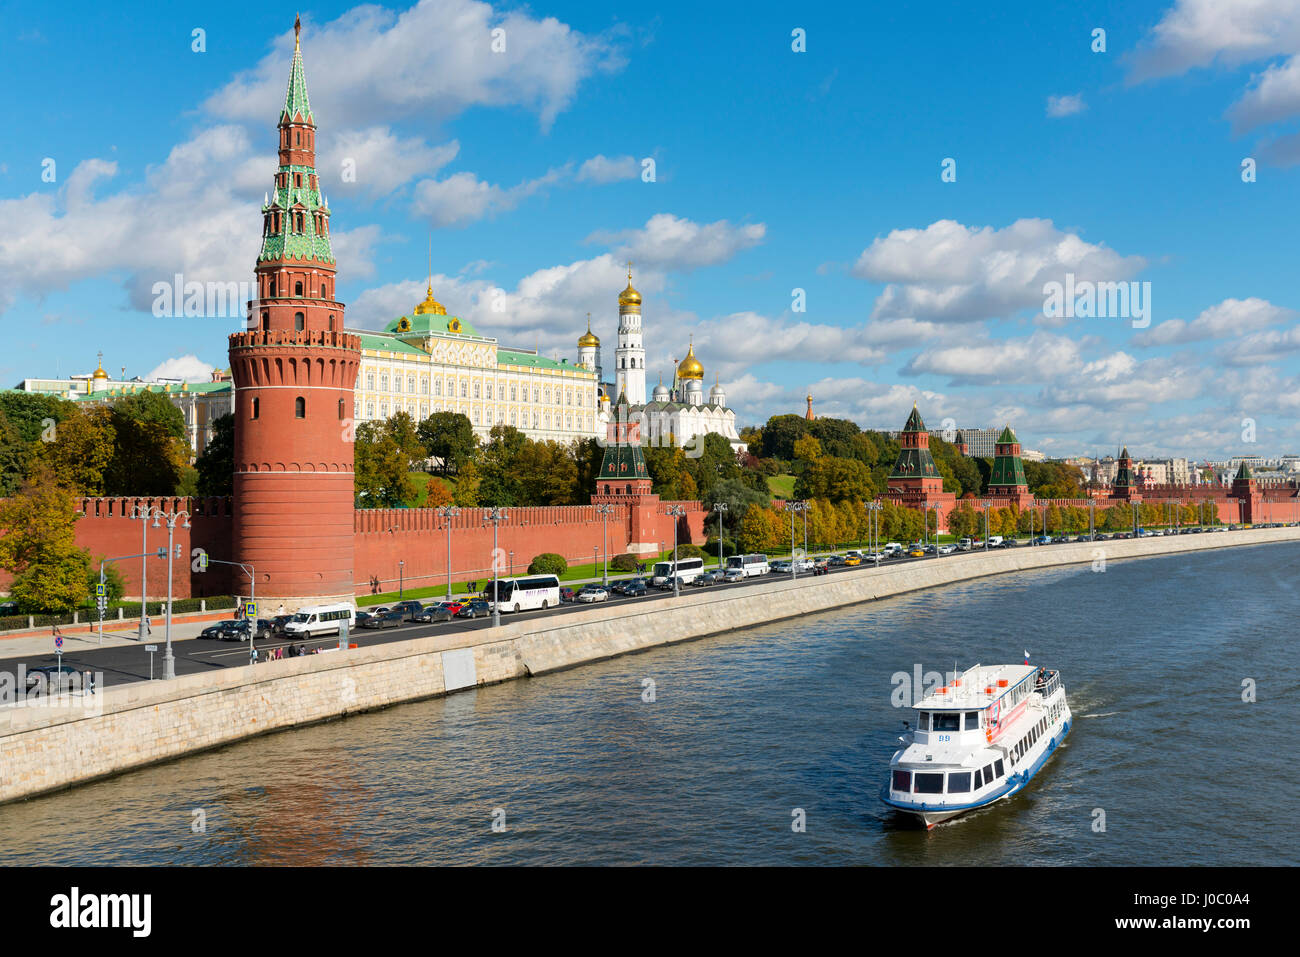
(629,296)
(430,306)
(588,338)
(690,367)
(99,372)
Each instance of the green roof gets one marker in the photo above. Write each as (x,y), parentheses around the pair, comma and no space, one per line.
(430,323)
(914,423)
(1243,473)
(371,340)
(295,98)
(914,463)
(1007,437)
(506,357)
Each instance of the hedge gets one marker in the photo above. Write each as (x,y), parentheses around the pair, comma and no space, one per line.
(89,615)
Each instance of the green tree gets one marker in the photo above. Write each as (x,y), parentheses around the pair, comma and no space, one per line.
(448,437)
(548,563)
(80,449)
(38,546)
(150,450)
(216,465)
(382,469)
(835,479)
(780,433)
(466,494)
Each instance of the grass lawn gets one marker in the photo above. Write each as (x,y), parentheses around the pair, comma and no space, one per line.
(781,486)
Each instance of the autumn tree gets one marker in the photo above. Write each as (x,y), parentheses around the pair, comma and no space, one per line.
(38,545)
(382,469)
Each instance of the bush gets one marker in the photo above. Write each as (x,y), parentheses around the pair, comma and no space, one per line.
(548,563)
(623,563)
(728,548)
(690,550)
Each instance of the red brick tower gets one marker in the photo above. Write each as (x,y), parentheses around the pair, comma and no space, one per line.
(624,479)
(294,372)
(1007,481)
(915,480)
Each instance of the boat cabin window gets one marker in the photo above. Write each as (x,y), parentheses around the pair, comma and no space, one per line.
(988,773)
(903,781)
(947,721)
(972,720)
(979,780)
(997,767)
(927,783)
(959,783)
(923,721)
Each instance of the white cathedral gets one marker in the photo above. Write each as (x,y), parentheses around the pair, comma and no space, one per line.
(675,414)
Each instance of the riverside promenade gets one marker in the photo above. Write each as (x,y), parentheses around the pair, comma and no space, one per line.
(70,740)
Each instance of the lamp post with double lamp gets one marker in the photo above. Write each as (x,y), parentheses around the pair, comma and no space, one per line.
(1092,520)
(721,509)
(142,513)
(987,506)
(604,511)
(938,507)
(448,512)
(873,508)
(796,507)
(169,659)
(401,578)
(676,511)
(496,516)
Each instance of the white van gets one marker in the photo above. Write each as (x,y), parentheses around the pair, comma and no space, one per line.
(995,541)
(320,620)
(892,549)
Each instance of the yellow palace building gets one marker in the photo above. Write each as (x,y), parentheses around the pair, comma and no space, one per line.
(431,362)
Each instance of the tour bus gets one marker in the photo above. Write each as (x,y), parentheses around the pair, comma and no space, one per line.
(525,594)
(751,565)
(688,569)
(320,620)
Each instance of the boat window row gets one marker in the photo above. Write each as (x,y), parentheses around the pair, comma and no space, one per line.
(1030,739)
(959,782)
(947,721)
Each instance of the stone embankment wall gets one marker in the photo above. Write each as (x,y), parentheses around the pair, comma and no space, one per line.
(47,748)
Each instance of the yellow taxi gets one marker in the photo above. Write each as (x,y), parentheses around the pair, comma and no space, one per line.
(852,560)
(917,553)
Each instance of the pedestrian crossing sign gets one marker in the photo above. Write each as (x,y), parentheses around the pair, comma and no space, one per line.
(99,589)
(250,609)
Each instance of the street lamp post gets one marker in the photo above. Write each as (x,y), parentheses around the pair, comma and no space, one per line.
(401,578)
(512,564)
(142,513)
(795,507)
(873,527)
(676,511)
(721,509)
(938,507)
(987,506)
(496,516)
(1092,520)
(604,511)
(169,659)
(448,512)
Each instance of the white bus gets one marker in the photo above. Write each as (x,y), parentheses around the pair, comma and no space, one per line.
(320,620)
(751,565)
(687,569)
(525,594)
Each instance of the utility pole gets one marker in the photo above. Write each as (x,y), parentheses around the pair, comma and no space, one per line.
(721,509)
(676,511)
(496,516)
(448,512)
(604,511)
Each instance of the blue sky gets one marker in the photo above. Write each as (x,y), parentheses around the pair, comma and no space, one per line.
(774,170)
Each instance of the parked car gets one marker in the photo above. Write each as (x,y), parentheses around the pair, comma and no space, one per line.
(781,567)
(593,593)
(965,544)
(734,575)
(474,608)
(668,583)
(947,549)
(386,619)
(409,609)
(852,560)
(635,588)
(51,678)
(567,595)
(442,610)
(837,561)
(219,629)
(916,553)
(806,564)
(712,577)
(8,607)
(262,631)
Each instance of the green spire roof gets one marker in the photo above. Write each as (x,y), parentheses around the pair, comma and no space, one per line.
(623,459)
(1007,437)
(914,423)
(295,98)
(1008,470)
(1243,473)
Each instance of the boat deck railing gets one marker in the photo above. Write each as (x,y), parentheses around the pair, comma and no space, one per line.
(1047,683)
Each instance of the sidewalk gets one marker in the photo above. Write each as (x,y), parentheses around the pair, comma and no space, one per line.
(126,632)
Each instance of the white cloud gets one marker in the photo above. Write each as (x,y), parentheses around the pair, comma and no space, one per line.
(1198,33)
(375,66)
(1261,348)
(1232,317)
(1041,356)
(1273,95)
(672,243)
(378,160)
(1065,105)
(948,272)
(188,368)
(600,169)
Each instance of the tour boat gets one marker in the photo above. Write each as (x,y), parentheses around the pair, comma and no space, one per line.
(977,740)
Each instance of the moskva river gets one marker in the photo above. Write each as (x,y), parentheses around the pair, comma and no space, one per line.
(749,734)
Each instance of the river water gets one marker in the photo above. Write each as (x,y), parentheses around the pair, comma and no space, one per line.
(745,728)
